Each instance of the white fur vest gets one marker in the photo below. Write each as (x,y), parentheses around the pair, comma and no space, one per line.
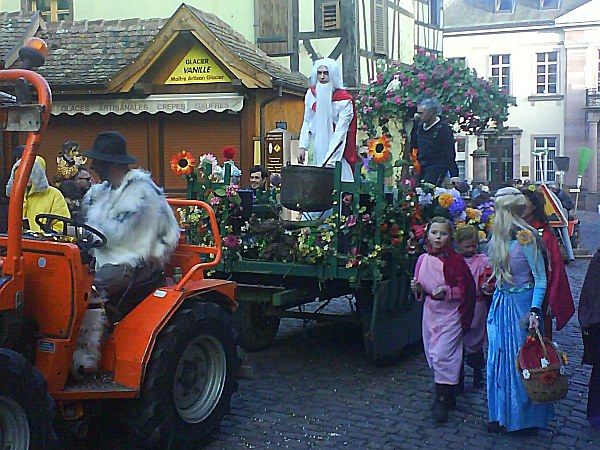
(136,219)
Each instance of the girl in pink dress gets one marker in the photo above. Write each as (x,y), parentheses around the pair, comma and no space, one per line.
(467,242)
(443,280)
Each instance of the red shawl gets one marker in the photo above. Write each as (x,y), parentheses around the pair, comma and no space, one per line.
(458,275)
(558,290)
(350,154)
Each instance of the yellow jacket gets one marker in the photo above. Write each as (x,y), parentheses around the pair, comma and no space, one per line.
(40,197)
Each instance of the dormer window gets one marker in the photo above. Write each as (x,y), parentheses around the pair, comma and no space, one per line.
(50,10)
(549,4)
(505,6)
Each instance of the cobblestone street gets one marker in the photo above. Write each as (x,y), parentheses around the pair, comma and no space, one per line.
(315,389)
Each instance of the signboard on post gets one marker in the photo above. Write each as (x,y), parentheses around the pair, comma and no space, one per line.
(276,151)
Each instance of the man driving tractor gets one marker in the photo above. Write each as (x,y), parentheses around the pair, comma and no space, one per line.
(141,233)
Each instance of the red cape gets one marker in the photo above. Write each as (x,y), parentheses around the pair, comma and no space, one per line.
(350,153)
(457,274)
(558,290)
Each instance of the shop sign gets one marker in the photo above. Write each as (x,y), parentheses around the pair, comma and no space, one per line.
(274,142)
(197,67)
(153,104)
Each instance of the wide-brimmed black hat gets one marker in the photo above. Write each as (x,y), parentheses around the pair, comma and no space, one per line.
(110,146)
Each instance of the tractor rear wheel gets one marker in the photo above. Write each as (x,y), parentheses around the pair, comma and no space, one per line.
(26,409)
(189,381)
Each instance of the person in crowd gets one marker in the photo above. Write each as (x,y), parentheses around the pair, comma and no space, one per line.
(40,197)
(565,199)
(467,241)
(83,179)
(589,321)
(328,131)
(17,153)
(141,232)
(558,302)
(258,178)
(517,183)
(443,280)
(433,141)
(228,155)
(73,196)
(516,254)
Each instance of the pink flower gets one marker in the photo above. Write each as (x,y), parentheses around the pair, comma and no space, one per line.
(422,76)
(445,84)
(377,105)
(398,100)
(410,103)
(366,218)
(428,91)
(231,241)
(351,221)
(347,199)
(231,191)
(214,201)
(422,85)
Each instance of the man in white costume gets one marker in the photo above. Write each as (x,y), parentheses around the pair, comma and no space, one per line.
(328,132)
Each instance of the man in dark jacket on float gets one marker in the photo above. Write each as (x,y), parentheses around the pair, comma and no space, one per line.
(434,141)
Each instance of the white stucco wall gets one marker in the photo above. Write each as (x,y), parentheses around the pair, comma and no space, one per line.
(536,118)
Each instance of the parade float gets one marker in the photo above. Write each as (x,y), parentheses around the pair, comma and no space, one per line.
(359,239)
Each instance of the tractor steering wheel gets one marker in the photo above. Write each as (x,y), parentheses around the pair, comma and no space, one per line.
(85,243)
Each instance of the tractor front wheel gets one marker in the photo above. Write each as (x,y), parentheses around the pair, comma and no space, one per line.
(26,409)
(189,380)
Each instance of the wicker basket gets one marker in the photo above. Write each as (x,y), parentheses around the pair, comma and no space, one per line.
(543,384)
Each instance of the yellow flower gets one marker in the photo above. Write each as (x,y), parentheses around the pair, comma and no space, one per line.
(473,213)
(482,235)
(564,356)
(445,200)
(524,237)
(183,163)
(379,149)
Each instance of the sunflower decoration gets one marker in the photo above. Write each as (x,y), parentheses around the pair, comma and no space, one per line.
(524,237)
(380,149)
(183,163)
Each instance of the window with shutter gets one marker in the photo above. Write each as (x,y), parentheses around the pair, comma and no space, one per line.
(330,15)
(379,26)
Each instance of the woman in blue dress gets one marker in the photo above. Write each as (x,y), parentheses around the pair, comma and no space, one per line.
(517,258)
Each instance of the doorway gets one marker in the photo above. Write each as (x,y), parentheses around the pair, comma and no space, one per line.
(500,161)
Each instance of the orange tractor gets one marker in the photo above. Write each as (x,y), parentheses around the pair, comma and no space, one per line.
(168,368)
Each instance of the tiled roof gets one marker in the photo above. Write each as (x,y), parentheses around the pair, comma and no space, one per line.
(13,28)
(92,52)
(247,51)
(477,14)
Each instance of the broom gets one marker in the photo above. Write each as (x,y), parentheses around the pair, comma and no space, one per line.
(585,156)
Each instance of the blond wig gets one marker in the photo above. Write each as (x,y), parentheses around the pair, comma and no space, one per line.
(509,206)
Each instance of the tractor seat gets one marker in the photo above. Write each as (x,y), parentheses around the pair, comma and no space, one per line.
(122,303)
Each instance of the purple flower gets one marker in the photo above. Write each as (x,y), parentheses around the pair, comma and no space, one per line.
(422,76)
(231,241)
(485,216)
(457,207)
(351,221)
(214,201)
(425,199)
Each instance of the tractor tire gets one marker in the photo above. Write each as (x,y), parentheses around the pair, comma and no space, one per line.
(189,381)
(26,408)
(256,329)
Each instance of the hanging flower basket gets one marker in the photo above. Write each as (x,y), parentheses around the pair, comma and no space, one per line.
(541,365)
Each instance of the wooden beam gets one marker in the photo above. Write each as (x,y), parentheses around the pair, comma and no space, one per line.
(295,56)
(350,39)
